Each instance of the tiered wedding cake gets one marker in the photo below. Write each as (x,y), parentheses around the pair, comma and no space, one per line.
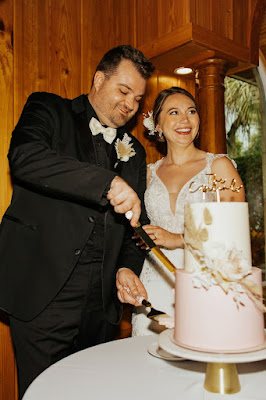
(218,306)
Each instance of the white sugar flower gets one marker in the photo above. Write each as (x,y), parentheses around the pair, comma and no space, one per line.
(148,122)
(232,265)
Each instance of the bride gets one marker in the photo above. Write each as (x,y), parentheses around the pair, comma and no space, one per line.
(175,119)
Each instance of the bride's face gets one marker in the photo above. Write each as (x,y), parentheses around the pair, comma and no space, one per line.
(178,119)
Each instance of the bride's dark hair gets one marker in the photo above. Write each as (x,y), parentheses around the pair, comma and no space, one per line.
(163,95)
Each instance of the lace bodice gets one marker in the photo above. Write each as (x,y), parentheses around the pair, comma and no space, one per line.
(157,198)
(158,281)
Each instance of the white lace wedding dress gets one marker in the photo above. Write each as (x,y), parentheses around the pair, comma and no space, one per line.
(158,281)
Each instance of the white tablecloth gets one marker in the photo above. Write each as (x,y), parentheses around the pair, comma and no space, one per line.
(124,370)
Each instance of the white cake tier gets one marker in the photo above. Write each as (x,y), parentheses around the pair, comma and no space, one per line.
(226,230)
(209,320)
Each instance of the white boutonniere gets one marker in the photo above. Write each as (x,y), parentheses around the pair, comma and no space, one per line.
(124,149)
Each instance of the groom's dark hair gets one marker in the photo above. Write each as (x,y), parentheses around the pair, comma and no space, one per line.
(113,57)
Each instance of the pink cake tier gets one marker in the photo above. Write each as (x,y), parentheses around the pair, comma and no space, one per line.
(209,320)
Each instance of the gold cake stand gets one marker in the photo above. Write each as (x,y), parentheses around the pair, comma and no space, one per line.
(221,372)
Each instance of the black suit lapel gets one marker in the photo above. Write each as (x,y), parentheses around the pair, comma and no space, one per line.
(84,138)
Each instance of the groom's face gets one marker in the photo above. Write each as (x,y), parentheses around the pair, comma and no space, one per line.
(117,97)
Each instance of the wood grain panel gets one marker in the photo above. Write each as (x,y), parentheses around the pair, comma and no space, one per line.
(223,26)
(106,24)
(31,50)
(241,19)
(229,48)
(263,35)
(65,48)
(167,42)
(257,23)
(6,98)
(222,18)
(157,17)
(7,360)
(8,384)
(201,13)
(172,14)
(140,131)
(146,21)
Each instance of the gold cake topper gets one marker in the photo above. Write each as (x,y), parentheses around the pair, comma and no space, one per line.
(212,186)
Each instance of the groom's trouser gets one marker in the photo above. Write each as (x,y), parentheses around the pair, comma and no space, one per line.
(73,321)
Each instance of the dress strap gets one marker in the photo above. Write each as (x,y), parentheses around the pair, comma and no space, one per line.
(211,157)
(154,166)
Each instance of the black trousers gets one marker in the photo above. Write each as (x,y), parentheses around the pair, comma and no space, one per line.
(73,321)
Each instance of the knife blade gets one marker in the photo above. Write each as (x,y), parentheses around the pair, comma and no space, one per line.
(153,314)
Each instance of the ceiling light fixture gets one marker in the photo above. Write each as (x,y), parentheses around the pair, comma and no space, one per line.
(182,71)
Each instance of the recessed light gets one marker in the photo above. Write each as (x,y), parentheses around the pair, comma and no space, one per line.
(183,71)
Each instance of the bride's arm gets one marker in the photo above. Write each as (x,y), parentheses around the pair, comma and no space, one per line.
(164,238)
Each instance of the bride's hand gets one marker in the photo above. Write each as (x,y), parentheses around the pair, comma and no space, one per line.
(164,238)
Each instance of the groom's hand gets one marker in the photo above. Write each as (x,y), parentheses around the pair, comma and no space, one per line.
(123,198)
(130,289)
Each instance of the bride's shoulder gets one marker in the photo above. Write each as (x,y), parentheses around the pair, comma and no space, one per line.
(151,168)
(221,160)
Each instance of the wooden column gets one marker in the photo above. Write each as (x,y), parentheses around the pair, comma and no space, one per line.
(210,75)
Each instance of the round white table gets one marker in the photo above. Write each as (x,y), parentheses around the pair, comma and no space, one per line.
(124,370)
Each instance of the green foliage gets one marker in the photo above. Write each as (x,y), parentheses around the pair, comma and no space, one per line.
(244,134)
(242,109)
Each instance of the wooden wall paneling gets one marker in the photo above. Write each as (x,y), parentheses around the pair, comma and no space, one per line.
(6,98)
(241,19)
(106,24)
(155,18)
(199,26)
(146,21)
(222,18)
(263,36)
(31,50)
(256,27)
(65,48)
(8,389)
(201,13)
(224,47)
(140,131)
(172,14)
(8,377)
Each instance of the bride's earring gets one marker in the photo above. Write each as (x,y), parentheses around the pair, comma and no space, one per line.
(197,135)
(161,137)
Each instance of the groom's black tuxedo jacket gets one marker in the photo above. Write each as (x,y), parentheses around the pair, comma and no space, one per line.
(58,189)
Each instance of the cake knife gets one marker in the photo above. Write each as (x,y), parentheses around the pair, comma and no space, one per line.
(153,314)
(150,243)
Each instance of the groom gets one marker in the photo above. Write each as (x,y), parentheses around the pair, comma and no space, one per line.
(64,240)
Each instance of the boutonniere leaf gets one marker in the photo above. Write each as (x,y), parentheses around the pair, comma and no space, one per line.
(124,149)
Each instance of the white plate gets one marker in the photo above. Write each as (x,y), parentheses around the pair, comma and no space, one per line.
(158,352)
(165,341)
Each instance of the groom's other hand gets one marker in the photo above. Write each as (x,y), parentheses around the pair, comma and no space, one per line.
(123,198)
(130,289)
